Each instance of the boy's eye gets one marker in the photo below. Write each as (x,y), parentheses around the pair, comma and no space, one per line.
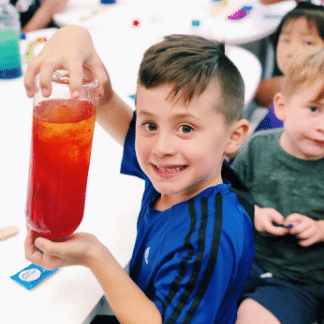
(186,129)
(150,126)
(308,43)
(313,109)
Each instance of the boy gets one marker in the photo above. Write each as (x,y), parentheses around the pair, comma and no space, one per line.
(283,168)
(194,247)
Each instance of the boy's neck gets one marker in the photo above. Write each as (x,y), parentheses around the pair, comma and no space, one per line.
(166,201)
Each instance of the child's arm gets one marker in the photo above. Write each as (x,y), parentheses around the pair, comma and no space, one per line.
(264,220)
(267,90)
(308,230)
(127,300)
(71,48)
(44,14)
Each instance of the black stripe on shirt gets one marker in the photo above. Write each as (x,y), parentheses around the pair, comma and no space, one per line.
(183,263)
(212,259)
(190,286)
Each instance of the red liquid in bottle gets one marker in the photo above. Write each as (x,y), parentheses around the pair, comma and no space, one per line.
(61,148)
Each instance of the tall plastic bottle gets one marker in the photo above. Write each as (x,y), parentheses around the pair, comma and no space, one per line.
(10,60)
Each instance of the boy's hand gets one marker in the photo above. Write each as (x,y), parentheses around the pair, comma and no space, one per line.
(264,220)
(308,230)
(78,249)
(70,48)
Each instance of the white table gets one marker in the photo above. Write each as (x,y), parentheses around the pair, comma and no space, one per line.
(72,295)
(175,16)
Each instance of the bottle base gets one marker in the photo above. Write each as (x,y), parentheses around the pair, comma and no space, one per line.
(11,73)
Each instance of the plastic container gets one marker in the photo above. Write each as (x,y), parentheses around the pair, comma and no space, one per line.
(10,60)
(108,1)
(60,156)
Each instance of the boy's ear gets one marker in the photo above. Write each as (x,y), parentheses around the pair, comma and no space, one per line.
(239,132)
(279,104)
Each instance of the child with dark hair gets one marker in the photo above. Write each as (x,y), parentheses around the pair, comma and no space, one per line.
(194,246)
(301,30)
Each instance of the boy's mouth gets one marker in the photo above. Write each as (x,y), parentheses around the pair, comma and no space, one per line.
(319,142)
(169,169)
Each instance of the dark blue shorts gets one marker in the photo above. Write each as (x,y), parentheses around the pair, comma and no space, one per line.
(290,303)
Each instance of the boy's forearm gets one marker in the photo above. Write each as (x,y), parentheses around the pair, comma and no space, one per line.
(126,299)
(114,115)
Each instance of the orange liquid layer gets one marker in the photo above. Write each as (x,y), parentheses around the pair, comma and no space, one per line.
(61,149)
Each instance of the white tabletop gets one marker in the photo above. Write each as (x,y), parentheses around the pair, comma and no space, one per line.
(72,295)
(170,16)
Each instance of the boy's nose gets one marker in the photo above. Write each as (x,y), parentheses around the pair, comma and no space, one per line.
(164,145)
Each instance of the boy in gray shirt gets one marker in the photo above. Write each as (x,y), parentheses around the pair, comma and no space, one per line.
(284,170)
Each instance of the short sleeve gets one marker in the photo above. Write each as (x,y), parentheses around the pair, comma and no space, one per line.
(200,282)
(188,300)
(130,165)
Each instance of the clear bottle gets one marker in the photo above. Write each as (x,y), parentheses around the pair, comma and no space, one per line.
(63,130)
(10,60)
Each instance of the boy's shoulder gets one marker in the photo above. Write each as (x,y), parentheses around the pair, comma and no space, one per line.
(272,135)
(262,140)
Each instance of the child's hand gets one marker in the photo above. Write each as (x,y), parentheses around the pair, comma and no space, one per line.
(308,230)
(264,221)
(78,249)
(70,48)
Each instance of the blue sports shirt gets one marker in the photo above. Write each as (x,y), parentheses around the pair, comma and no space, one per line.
(193,259)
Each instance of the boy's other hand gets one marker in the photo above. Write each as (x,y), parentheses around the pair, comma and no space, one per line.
(306,229)
(264,221)
(70,48)
(78,249)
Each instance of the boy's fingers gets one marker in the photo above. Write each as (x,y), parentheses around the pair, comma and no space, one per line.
(76,76)
(46,246)
(29,80)
(100,73)
(280,231)
(45,77)
(277,217)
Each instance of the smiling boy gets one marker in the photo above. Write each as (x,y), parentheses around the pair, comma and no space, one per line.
(283,168)
(194,247)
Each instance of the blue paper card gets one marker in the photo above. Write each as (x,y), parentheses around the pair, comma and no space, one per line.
(32,275)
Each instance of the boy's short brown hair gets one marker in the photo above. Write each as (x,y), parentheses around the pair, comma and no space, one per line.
(190,63)
(305,70)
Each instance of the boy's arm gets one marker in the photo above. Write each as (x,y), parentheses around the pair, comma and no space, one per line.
(127,300)
(71,48)
(113,114)
(267,90)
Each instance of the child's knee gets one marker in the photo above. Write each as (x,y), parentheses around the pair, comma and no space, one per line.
(251,311)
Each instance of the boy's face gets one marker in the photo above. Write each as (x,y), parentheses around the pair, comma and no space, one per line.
(303,135)
(180,147)
(297,35)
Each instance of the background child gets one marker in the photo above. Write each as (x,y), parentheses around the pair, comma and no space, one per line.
(194,247)
(286,284)
(38,14)
(302,29)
